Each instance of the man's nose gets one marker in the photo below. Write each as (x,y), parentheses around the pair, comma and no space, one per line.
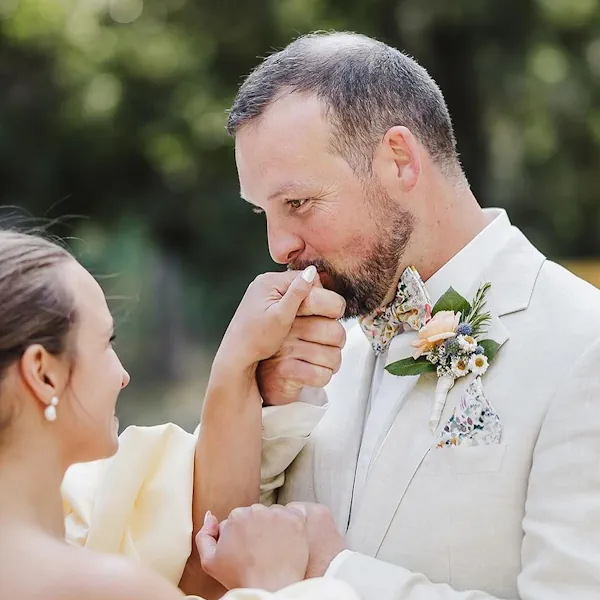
(284,246)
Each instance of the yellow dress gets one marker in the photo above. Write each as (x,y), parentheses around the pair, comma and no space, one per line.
(139,502)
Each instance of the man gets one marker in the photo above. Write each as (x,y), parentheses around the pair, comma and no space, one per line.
(347,147)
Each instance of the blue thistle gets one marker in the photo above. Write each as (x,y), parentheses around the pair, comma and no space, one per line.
(452,346)
(464,329)
(479,350)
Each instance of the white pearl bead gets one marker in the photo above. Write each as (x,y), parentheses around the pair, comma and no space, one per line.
(50,413)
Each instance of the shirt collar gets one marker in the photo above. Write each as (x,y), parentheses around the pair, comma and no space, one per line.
(463,269)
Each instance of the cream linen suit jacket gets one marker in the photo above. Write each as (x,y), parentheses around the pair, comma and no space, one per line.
(516,520)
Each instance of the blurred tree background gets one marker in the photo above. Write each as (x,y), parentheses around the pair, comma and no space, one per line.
(114,110)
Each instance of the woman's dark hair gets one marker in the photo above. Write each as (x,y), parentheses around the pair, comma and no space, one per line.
(36,306)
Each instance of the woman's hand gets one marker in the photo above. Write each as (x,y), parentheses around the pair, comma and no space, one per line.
(255,547)
(265,316)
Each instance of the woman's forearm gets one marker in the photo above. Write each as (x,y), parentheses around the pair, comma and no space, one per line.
(228,451)
(227,460)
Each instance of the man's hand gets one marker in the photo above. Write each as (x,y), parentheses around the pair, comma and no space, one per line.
(255,547)
(310,354)
(325,541)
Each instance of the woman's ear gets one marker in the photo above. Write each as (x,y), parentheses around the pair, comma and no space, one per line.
(42,373)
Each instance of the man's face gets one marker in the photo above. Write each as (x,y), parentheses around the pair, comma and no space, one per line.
(318,210)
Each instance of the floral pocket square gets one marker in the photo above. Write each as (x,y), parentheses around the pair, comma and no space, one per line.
(474,422)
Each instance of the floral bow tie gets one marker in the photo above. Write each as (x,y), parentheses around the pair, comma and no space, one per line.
(411,305)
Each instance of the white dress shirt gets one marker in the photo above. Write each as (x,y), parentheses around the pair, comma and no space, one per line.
(389,391)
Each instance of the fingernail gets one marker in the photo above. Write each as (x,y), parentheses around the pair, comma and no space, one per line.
(309,273)
(208,514)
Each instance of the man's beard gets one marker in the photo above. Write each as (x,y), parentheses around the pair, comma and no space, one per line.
(365,287)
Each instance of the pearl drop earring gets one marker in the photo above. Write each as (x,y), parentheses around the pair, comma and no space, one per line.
(50,410)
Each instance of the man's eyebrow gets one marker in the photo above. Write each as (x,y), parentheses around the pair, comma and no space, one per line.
(288,188)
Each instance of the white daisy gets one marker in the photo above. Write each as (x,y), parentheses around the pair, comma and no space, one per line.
(460,367)
(467,343)
(478,364)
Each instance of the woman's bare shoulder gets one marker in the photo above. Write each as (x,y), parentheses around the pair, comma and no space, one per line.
(53,571)
(103,576)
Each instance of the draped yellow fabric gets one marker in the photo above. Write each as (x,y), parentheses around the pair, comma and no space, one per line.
(139,502)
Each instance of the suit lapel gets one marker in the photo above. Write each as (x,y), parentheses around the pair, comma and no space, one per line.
(336,454)
(513,275)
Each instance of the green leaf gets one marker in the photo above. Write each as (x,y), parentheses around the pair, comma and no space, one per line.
(410,366)
(453,301)
(490,348)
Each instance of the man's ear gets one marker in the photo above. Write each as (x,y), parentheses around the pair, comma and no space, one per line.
(402,149)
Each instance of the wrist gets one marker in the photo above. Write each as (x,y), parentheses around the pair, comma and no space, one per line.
(230,369)
(272,582)
(231,359)
(231,387)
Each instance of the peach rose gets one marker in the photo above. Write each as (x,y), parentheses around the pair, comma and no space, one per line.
(440,328)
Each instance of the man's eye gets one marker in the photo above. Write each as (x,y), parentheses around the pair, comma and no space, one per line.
(296,203)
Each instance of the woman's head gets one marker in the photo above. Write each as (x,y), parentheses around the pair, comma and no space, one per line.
(55,342)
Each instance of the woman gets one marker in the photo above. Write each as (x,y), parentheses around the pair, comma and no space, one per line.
(59,383)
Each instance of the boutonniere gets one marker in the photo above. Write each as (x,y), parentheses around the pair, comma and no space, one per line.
(452,344)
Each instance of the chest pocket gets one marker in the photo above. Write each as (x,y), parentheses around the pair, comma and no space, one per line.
(463,460)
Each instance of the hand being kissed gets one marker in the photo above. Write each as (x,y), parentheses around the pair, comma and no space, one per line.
(310,354)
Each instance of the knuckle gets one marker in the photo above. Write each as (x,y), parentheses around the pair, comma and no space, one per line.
(301,325)
(293,515)
(323,514)
(322,376)
(296,522)
(289,368)
(238,514)
(289,349)
(278,511)
(336,361)
(259,279)
(300,373)
(338,334)
(208,564)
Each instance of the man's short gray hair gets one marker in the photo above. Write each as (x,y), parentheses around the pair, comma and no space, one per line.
(366,86)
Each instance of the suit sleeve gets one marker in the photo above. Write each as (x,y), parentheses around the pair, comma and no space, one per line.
(561,526)
(309,589)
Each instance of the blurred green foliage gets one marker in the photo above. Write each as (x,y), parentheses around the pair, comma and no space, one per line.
(115,109)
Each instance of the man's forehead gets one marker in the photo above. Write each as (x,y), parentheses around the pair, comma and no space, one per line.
(284,151)
(289,123)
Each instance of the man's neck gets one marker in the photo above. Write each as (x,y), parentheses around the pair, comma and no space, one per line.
(443,231)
